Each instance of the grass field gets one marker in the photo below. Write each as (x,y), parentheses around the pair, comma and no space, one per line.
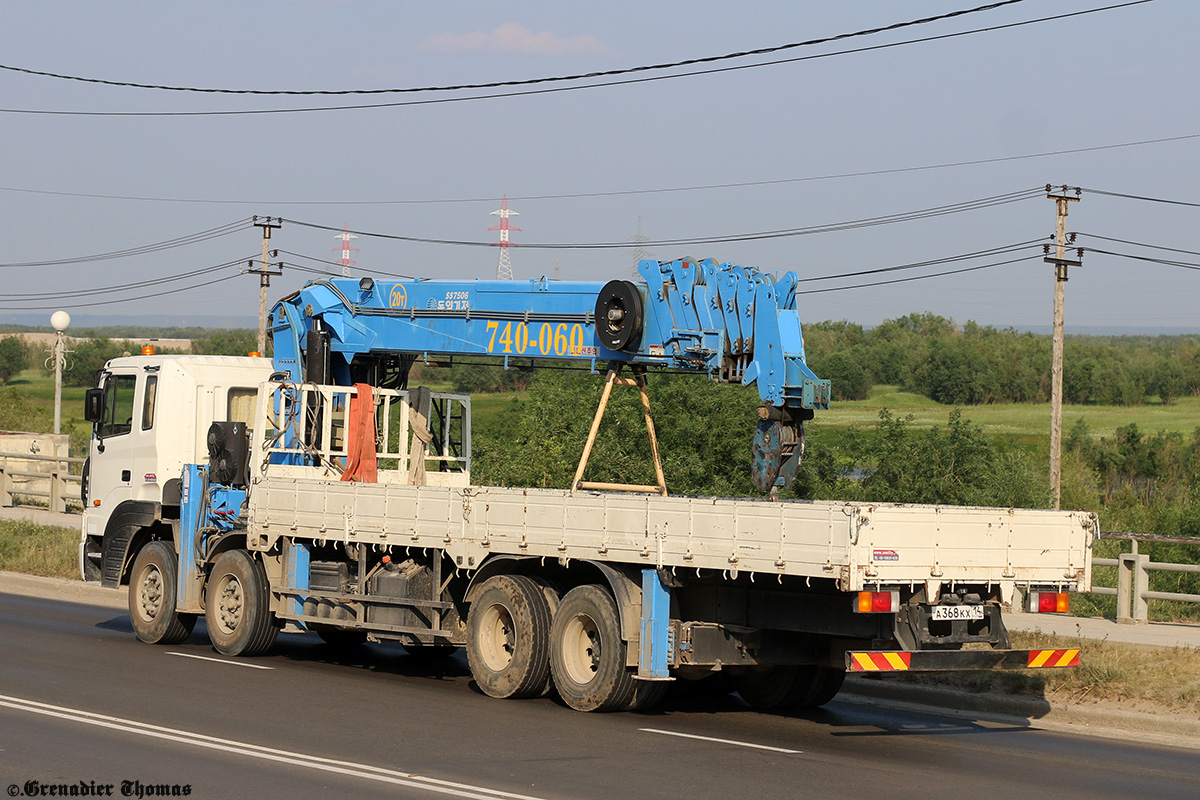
(1027,422)
(1023,420)
(39,388)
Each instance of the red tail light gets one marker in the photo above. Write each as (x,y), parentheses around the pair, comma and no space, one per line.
(1049,602)
(877,602)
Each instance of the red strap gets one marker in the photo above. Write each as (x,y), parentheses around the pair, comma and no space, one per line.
(360,434)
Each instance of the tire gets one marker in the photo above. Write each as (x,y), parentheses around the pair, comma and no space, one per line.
(238,608)
(647,695)
(823,684)
(780,686)
(553,595)
(587,655)
(508,637)
(342,637)
(152,596)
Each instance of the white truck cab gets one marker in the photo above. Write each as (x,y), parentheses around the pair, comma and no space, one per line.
(150,415)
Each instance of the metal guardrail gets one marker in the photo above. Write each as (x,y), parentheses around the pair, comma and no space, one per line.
(60,480)
(1133,575)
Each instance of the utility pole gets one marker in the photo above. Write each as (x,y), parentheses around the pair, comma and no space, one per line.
(1060,262)
(264,273)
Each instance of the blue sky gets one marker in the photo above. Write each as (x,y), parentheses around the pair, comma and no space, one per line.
(1117,76)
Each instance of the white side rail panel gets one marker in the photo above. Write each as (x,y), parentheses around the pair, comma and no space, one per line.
(858,545)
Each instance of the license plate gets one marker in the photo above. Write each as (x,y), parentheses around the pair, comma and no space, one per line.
(956,612)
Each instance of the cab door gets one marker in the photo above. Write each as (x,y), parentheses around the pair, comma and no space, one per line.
(111,452)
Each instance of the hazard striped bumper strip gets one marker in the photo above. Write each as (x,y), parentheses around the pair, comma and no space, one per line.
(955,660)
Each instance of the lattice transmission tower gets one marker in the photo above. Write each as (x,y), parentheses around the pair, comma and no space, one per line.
(346,250)
(504,267)
(638,251)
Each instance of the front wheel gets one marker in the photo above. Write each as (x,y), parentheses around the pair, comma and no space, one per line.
(587,655)
(238,604)
(152,596)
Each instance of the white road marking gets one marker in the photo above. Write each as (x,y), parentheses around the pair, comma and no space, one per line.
(219,660)
(361,771)
(721,741)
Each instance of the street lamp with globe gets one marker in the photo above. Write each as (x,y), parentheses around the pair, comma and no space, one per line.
(59,320)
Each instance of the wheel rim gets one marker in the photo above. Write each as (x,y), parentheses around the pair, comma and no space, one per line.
(581,649)
(150,592)
(497,641)
(229,603)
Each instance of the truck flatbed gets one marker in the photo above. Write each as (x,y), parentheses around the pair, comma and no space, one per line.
(857,545)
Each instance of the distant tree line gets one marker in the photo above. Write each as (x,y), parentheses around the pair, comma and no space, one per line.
(88,357)
(930,355)
(922,353)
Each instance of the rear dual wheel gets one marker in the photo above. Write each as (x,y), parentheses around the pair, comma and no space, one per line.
(789,687)
(587,655)
(508,637)
(520,635)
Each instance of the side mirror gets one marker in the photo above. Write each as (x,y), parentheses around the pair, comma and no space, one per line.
(93,405)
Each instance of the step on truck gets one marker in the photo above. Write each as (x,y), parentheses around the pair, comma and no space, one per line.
(318,492)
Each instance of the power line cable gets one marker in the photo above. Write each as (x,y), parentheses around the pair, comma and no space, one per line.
(926,213)
(1164,261)
(552,90)
(339,264)
(179,290)
(918,277)
(994,251)
(528,81)
(1138,244)
(34,296)
(181,241)
(620,193)
(1140,197)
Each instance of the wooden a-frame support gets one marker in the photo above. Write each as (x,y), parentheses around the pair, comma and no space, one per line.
(638,380)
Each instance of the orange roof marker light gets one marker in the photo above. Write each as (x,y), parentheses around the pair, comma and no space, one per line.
(147,349)
(254,354)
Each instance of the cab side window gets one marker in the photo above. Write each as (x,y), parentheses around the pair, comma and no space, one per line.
(148,402)
(118,405)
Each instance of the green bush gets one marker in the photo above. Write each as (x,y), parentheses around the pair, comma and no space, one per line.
(955,465)
(14,357)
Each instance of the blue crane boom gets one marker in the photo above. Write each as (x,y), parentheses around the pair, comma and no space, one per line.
(733,323)
(736,324)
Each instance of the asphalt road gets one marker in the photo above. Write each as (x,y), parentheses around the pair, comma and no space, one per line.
(83,703)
